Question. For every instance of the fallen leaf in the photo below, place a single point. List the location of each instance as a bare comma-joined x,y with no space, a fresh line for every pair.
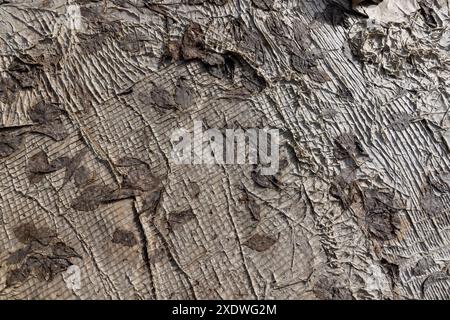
124,237
260,242
61,250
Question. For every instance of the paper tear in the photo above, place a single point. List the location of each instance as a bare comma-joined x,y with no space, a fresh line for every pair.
392,10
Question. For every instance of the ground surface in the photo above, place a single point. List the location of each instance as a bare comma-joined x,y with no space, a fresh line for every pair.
91,91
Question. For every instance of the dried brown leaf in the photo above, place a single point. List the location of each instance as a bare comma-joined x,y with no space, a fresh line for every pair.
124,237
260,242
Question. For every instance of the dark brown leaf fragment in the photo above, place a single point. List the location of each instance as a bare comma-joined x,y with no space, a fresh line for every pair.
401,121
120,194
336,14
423,266
303,63
151,201
161,98
82,176
265,181
124,237
254,208
91,197
27,232
19,255
73,164
216,2
348,146
192,44
8,90
16,276
140,178
342,190
9,143
58,265
47,117
327,288
38,166
156,255
44,113
220,67
23,73
251,80
130,43
432,204
54,130
184,94
129,162
194,189
91,44
173,51
439,182
260,242
358,2
39,266
382,214
263,4
318,75
179,218
61,250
